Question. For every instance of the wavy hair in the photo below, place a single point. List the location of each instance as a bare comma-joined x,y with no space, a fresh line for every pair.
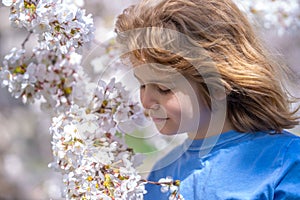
220,50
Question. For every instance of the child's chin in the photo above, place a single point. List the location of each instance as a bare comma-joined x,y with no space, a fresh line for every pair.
168,133
165,131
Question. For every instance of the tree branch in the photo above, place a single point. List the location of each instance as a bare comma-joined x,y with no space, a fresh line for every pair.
26,39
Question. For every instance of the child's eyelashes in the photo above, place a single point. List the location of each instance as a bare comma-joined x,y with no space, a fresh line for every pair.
163,89
160,88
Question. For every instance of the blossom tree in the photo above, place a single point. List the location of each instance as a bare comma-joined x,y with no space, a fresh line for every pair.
88,123
94,161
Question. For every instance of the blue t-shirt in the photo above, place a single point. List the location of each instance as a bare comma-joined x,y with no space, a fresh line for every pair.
233,165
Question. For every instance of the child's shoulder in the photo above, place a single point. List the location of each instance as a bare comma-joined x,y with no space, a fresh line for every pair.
282,146
269,143
288,135
292,145
284,138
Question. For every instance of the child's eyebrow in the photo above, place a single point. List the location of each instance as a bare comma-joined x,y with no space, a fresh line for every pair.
135,76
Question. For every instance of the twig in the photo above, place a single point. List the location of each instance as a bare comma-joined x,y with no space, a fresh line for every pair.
159,183
26,39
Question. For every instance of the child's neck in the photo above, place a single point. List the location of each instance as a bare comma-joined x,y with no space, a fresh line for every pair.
204,133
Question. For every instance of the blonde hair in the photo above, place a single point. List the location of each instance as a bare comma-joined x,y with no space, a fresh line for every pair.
256,99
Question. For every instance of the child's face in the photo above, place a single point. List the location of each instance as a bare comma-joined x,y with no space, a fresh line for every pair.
173,103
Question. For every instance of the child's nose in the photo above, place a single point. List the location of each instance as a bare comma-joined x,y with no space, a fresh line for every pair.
148,98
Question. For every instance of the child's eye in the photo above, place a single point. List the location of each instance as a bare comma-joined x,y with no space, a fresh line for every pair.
160,88
163,89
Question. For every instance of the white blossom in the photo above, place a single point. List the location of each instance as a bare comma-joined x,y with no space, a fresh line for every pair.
7,2
59,25
45,74
85,144
171,186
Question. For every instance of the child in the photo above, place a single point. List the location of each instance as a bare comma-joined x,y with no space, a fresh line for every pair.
203,71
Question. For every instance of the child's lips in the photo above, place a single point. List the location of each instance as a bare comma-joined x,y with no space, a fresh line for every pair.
158,119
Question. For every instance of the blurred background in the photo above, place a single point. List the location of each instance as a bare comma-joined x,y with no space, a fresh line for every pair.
25,148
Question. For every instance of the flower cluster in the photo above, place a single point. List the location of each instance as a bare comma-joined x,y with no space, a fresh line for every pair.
172,186
44,74
282,15
88,144
89,151
59,25
52,70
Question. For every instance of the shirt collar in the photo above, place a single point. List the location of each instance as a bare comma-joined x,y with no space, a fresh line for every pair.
207,144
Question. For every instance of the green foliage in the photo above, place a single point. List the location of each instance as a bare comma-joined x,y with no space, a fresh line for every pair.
138,143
